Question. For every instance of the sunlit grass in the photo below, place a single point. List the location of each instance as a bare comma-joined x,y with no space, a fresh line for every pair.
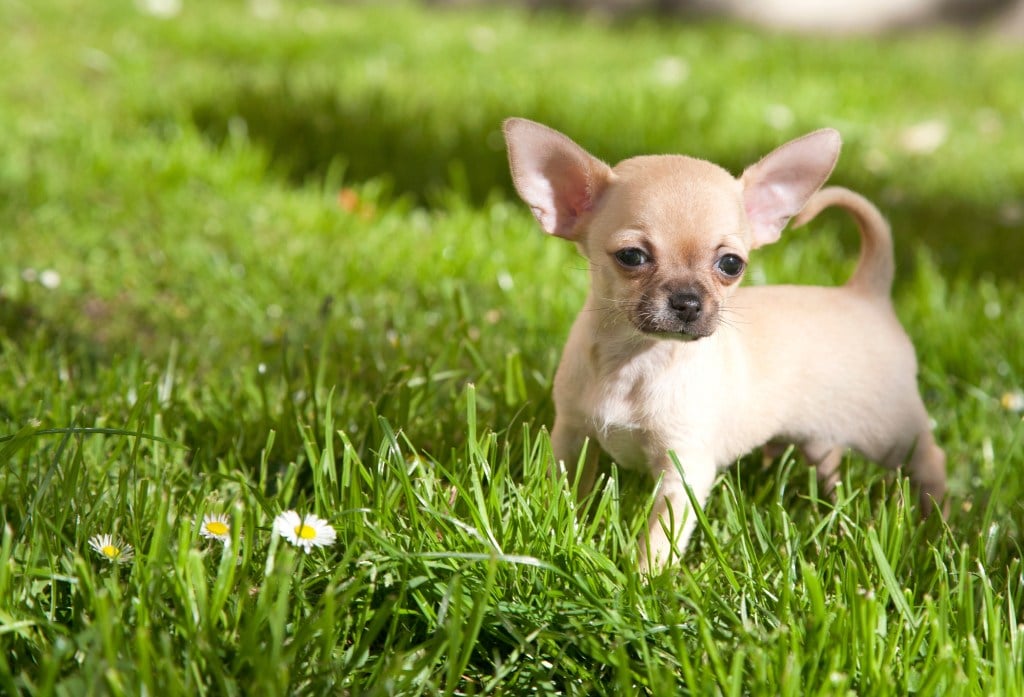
251,265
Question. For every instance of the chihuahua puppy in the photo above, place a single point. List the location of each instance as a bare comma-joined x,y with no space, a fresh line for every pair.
674,369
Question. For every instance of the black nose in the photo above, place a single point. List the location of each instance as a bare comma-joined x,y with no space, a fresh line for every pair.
686,305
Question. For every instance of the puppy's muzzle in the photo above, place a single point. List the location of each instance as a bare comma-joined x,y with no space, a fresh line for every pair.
687,306
677,314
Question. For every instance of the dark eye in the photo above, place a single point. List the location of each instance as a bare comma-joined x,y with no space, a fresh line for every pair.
731,265
632,257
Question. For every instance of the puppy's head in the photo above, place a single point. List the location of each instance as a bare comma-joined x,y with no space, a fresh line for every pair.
667,237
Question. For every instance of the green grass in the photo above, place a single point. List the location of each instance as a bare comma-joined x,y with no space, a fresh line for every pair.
226,336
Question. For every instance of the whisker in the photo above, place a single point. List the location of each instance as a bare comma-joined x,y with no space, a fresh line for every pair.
728,317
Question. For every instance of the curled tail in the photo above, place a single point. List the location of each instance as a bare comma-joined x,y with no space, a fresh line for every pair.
876,268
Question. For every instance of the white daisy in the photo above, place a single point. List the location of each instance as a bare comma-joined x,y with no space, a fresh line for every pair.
306,531
1013,401
112,549
216,526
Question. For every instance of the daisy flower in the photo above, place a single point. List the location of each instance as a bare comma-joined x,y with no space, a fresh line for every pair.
216,526
1012,401
306,531
112,549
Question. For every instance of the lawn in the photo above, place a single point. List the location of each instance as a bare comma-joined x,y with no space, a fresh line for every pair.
258,257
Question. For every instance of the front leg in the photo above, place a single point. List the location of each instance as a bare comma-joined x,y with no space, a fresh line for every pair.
673,519
567,443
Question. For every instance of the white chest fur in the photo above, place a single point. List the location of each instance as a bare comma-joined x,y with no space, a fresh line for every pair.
661,399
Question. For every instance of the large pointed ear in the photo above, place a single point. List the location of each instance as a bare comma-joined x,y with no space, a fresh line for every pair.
777,187
558,179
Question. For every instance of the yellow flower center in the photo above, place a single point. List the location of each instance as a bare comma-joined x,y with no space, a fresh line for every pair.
110,551
305,532
216,527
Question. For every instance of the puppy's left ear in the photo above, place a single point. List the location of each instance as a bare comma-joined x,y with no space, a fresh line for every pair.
777,187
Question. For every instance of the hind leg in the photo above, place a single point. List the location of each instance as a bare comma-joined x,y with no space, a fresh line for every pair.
927,471
772,451
826,460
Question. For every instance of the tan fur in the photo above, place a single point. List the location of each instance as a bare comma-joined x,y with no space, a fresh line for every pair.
671,356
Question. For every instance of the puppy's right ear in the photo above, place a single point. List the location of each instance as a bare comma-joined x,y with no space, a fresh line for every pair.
558,179
777,187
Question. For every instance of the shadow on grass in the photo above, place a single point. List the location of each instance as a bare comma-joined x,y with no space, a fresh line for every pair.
423,153
307,135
